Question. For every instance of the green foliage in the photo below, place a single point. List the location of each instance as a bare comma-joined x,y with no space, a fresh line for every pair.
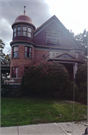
45,77
81,80
81,75
83,98
72,92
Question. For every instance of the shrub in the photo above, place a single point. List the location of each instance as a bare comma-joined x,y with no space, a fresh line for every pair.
72,92
81,75
83,98
46,77
81,80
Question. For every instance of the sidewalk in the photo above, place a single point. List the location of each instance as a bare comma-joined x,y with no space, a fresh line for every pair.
67,128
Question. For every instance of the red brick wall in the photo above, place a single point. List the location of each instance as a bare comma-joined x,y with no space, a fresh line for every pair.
21,61
39,55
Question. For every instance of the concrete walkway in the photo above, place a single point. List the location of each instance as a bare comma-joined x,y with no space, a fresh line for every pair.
67,128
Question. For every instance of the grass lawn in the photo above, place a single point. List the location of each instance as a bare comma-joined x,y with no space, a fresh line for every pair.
25,111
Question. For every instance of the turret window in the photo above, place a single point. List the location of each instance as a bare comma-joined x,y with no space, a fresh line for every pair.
15,52
22,31
14,32
29,32
19,31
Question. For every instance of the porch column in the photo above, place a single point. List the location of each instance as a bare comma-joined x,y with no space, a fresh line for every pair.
51,54
75,68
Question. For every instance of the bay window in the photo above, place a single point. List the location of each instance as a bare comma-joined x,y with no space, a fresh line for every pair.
22,30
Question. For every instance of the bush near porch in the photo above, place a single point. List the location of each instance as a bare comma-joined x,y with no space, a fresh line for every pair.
49,79
81,81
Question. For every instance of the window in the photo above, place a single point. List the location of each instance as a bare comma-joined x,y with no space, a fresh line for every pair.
24,31
29,32
14,71
14,32
19,31
27,52
15,52
48,39
52,39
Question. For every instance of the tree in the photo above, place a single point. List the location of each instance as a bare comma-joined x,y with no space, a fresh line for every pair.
82,39
5,59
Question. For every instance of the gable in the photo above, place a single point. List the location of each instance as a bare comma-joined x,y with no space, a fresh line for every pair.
54,26
65,56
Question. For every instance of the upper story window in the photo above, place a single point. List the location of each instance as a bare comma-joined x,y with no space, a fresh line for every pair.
15,52
29,32
22,30
19,31
14,32
53,39
28,52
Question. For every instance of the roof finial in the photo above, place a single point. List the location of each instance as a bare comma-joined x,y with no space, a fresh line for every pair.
24,9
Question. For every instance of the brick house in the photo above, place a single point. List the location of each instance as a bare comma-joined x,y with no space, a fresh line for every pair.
49,42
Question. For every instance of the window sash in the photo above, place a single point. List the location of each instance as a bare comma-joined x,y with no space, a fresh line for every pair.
18,28
14,34
18,33
14,30
24,28
15,48
53,39
24,33
27,52
29,29
15,52
29,34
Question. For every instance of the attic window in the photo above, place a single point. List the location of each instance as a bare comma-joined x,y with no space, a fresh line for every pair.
53,39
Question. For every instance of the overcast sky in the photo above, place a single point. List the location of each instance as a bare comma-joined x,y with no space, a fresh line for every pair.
72,13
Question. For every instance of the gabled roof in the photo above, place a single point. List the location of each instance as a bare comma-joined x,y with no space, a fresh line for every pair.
65,54
62,27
